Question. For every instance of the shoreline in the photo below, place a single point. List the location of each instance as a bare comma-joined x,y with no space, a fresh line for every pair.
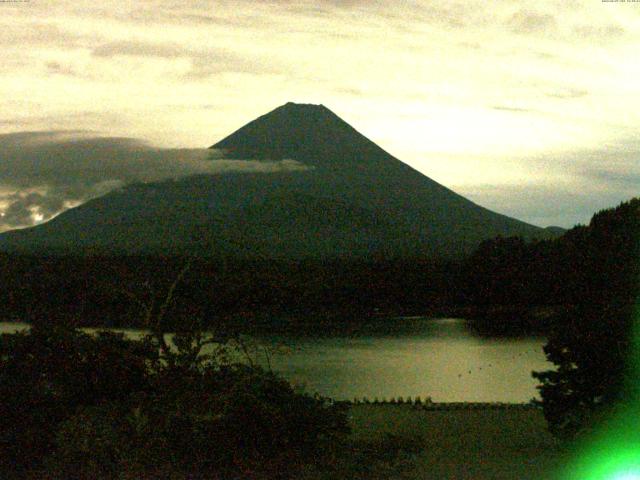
427,404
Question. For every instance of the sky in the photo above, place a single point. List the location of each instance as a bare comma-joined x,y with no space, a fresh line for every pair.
531,109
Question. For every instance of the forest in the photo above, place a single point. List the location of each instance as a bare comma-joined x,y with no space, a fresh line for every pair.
537,286
104,290
507,286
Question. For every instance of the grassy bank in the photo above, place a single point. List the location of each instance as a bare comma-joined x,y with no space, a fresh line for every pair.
451,444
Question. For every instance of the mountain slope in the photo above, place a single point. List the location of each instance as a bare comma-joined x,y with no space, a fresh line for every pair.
352,168
353,201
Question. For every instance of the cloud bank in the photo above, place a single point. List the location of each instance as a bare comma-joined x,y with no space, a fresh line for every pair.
45,173
584,182
437,83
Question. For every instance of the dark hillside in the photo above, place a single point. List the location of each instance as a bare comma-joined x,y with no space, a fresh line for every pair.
589,267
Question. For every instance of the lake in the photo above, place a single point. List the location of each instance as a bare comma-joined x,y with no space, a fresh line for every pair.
423,357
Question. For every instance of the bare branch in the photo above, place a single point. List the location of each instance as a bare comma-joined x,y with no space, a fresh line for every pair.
169,297
157,326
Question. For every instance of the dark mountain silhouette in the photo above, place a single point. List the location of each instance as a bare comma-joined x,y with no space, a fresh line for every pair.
555,231
353,201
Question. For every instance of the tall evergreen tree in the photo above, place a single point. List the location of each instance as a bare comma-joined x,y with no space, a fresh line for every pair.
593,345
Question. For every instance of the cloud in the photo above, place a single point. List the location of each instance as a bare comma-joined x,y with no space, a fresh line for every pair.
204,62
526,21
599,31
620,179
542,204
57,68
511,109
111,66
570,188
142,49
25,207
44,173
450,14
207,64
612,167
568,93
190,14
197,19
39,33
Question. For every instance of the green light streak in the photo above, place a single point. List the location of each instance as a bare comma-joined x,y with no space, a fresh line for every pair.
613,453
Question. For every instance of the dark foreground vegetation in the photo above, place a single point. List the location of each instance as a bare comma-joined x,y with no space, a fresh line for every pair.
76,406
102,407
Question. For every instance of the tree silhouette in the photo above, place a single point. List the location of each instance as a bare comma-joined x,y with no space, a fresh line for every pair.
592,345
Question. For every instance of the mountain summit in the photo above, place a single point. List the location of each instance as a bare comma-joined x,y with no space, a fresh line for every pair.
306,132
348,199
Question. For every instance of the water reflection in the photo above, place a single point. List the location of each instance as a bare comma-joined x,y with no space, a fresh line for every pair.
438,358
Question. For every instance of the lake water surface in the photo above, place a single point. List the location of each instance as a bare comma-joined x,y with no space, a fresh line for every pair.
439,358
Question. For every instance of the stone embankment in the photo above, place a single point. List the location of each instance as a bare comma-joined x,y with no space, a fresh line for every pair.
428,404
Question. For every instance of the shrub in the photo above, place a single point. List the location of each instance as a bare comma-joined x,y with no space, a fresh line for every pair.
46,374
84,407
252,425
